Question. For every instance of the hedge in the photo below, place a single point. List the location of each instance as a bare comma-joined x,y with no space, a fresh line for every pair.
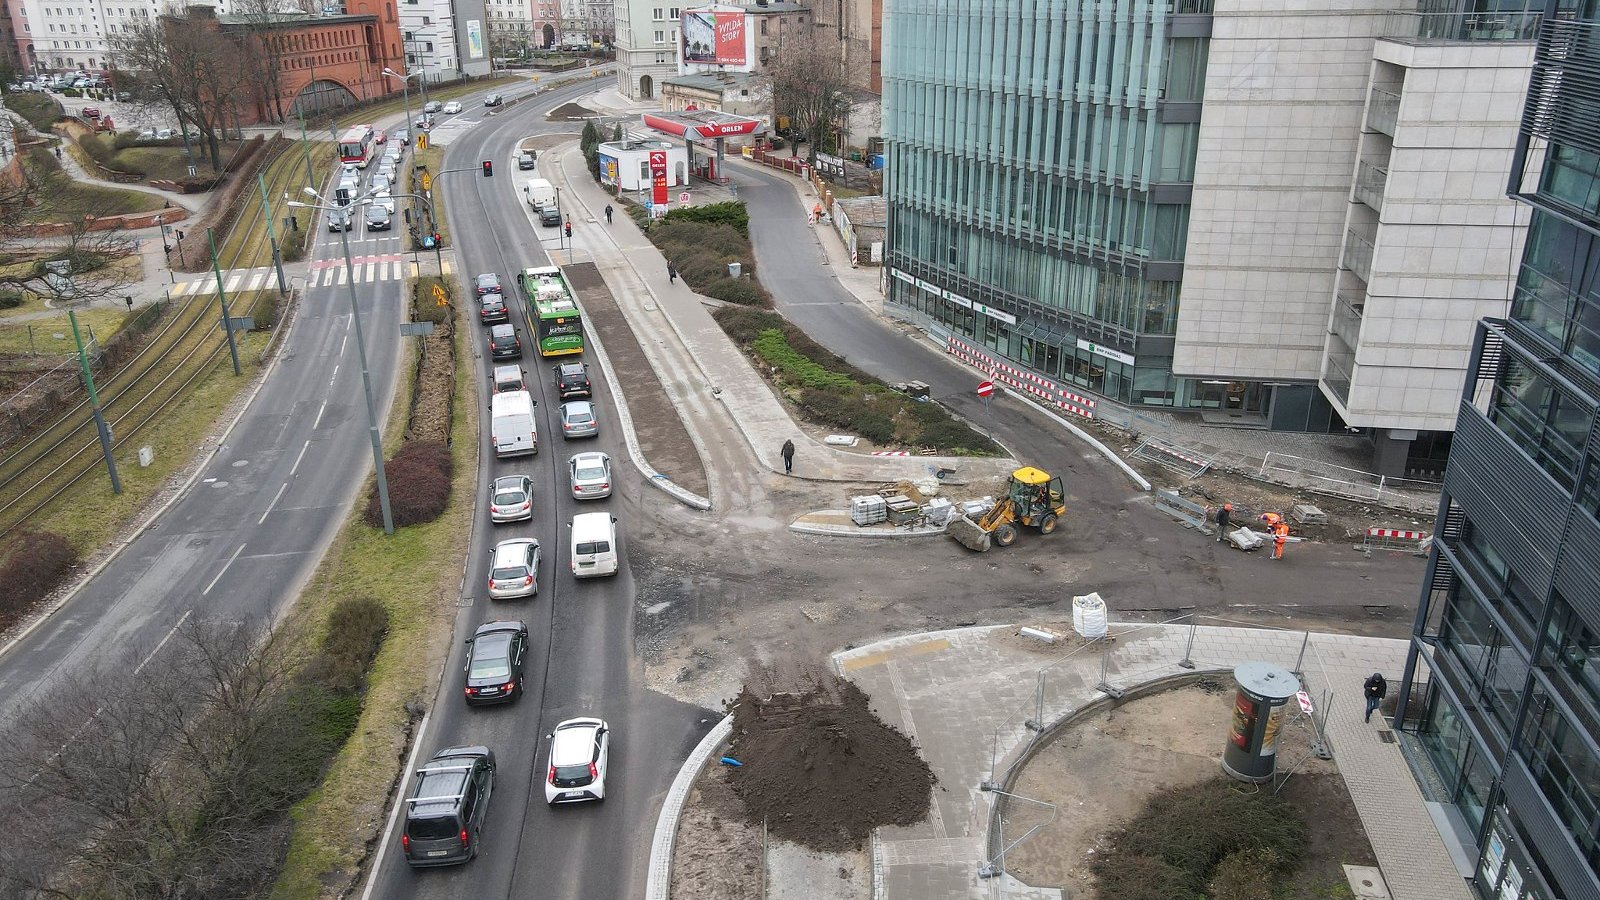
419,485
35,566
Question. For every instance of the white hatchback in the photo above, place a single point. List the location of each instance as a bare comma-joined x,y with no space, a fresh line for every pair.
452,108
579,752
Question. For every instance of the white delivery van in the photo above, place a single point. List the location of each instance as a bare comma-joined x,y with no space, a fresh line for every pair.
511,425
594,545
540,193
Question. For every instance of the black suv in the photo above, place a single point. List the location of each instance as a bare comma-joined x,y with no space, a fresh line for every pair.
504,343
494,662
446,811
488,283
550,215
572,381
492,309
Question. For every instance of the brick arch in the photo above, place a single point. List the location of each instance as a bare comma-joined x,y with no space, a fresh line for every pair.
321,95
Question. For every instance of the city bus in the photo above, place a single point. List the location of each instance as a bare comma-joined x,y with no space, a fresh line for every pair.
553,314
355,146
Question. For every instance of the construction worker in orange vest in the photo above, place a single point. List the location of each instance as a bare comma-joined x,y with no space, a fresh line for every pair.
1280,536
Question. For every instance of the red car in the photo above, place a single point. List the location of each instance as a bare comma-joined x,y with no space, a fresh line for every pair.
90,112
380,137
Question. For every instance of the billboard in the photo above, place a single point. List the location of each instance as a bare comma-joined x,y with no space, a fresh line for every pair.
713,38
474,39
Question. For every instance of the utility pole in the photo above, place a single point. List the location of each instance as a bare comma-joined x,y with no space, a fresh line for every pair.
305,147
272,235
94,404
222,295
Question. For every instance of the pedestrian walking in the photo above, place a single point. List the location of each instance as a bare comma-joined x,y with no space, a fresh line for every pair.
1375,689
788,457
1224,519
672,278
608,214
58,152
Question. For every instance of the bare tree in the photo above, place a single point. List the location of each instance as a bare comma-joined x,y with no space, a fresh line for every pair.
262,52
811,84
192,69
78,265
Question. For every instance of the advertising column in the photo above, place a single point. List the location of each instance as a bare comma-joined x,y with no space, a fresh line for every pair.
1258,711
658,179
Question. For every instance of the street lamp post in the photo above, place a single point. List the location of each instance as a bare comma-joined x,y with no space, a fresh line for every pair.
405,86
361,349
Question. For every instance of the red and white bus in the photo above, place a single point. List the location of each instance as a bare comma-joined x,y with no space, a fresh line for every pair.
355,147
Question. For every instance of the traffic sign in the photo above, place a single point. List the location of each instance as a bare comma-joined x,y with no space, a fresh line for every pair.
422,141
985,389
684,198
439,296
427,182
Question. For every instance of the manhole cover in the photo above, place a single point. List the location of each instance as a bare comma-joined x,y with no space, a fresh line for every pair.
1386,736
464,602
199,542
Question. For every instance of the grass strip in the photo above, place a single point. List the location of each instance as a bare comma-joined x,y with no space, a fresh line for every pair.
51,335
415,573
38,107
67,200
89,514
247,245
432,159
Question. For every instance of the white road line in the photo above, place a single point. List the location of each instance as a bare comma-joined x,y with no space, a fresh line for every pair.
335,375
275,499
344,276
395,270
233,283
342,343
319,415
223,572
303,448
152,654
370,267
257,280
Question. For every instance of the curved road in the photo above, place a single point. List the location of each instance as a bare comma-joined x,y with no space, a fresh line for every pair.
580,659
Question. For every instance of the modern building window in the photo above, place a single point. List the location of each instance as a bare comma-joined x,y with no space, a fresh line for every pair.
1572,178
1492,664
1574,649
1546,423
1567,772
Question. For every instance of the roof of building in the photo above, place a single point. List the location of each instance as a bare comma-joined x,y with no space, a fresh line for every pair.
286,20
780,6
866,212
704,123
710,82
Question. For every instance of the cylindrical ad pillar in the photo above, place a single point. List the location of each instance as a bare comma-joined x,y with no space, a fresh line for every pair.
1258,713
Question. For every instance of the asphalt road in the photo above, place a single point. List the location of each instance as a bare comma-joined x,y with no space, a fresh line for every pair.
581,658
241,542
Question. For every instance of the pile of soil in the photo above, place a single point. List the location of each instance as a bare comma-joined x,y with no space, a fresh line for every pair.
821,769
571,111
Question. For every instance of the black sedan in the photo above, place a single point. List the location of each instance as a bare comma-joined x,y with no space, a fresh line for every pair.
494,662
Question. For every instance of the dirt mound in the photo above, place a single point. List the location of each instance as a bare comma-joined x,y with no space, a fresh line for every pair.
571,111
821,769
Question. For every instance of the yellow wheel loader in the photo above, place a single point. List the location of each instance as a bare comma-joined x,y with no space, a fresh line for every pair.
1032,498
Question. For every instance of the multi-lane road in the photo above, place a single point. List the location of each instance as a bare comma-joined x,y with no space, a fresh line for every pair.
581,647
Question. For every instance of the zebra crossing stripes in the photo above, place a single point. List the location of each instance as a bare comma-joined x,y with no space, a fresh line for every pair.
265,278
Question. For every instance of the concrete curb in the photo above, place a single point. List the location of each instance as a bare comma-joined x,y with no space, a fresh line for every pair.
156,514
849,531
625,418
658,879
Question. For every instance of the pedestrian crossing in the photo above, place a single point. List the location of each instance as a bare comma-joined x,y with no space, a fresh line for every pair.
326,273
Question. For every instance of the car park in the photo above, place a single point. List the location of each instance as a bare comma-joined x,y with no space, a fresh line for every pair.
572,381
578,419
493,100
550,215
447,808
590,476
526,160
147,134
377,218
580,752
166,134
504,343
511,499
508,378
494,662
451,108
514,569
488,283
432,106
492,309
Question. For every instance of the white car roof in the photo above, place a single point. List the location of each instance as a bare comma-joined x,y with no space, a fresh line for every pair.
574,742
508,553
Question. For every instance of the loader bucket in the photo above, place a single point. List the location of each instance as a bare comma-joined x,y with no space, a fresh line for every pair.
967,532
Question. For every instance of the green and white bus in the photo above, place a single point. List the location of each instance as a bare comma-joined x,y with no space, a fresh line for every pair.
553,314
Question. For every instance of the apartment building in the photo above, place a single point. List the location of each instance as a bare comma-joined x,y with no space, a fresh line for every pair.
646,45
428,30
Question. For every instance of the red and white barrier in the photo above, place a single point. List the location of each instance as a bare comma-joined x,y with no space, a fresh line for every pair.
891,453
1030,383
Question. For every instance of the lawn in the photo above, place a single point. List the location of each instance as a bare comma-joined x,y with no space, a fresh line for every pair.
40,109
442,94
65,200
433,158
153,162
415,573
53,334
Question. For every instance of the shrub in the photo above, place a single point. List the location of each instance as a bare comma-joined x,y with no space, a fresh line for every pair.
743,325
1246,875
949,433
419,485
35,566
1145,878
10,299
72,92
740,291
772,347
847,412
730,213
355,632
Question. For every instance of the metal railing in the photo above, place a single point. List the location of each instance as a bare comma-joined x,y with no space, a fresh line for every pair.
1358,253
1460,27
1351,484
1383,110
1371,179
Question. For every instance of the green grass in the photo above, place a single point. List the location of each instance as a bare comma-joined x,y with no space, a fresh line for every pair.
104,321
40,109
154,162
66,200
433,159
90,515
247,245
415,573
441,94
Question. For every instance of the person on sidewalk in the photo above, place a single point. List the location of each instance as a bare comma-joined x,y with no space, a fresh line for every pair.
672,274
788,457
1375,689
58,151
608,214
1224,519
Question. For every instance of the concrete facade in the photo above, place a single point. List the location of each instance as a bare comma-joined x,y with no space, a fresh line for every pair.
428,31
737,93
511,30
647,47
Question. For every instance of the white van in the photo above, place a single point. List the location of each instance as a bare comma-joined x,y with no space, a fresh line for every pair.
511,425
594,545
348,188
540,193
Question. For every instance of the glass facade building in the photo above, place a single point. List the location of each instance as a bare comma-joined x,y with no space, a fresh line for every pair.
1501,688
1040,160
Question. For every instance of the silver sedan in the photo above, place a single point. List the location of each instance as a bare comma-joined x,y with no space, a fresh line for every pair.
591,476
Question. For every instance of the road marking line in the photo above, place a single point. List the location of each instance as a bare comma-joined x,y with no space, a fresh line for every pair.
344,276
233,283
303,448
370,267
335,375
223,572
320,411
342,343
275,499
152,654
394,271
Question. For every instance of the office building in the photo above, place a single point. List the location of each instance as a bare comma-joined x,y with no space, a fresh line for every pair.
511,28
1502,686
428,29
1145,205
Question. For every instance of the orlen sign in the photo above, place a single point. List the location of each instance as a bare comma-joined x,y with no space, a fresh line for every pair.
713,38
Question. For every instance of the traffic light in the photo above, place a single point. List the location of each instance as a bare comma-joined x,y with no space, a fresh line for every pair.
488,168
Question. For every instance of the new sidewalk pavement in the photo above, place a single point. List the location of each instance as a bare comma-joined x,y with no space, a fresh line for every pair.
705,353
962,695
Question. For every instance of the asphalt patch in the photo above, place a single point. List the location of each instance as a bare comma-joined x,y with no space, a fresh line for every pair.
822,770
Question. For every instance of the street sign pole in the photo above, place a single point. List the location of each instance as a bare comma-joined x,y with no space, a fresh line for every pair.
222,295
94,405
